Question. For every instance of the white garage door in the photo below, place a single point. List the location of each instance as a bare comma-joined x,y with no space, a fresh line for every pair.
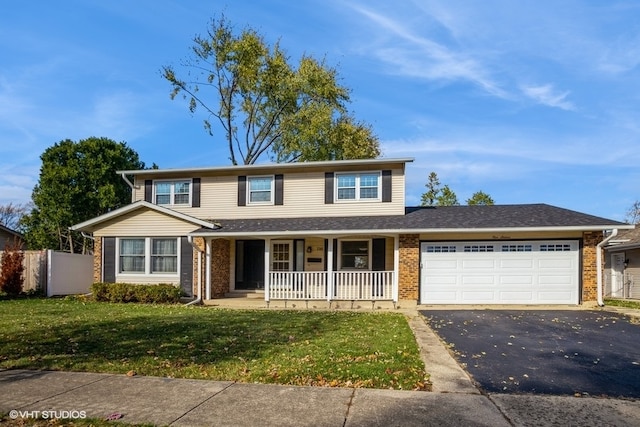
505,272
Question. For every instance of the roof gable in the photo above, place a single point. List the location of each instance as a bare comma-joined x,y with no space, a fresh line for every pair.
90,225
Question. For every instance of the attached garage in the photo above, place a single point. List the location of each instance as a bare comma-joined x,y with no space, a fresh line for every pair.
500,272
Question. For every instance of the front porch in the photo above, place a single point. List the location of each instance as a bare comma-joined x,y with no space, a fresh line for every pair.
344,270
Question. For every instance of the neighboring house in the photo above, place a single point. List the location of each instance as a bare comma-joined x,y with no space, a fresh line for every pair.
622,265
8,235
340,230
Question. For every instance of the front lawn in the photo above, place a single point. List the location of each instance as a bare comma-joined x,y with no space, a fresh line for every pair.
323,348
622,303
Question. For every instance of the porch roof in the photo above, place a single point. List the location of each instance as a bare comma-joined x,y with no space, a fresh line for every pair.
530,217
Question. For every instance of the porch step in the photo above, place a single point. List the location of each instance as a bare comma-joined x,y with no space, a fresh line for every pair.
245,294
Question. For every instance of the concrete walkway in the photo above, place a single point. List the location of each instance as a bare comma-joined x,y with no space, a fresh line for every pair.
454,400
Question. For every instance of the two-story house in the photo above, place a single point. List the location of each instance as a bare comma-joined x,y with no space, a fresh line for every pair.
340,230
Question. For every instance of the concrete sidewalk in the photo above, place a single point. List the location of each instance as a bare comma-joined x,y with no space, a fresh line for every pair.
454,400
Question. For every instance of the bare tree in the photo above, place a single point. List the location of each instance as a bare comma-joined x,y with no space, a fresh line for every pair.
11,214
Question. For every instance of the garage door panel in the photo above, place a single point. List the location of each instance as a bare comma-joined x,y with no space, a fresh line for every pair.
516,280
528,272
478,280
516,263
516,297
478,263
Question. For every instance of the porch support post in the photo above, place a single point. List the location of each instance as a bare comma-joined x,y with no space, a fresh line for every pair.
207,254
396,267
267,259
330,283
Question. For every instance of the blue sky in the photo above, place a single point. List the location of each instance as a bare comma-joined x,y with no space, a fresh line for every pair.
528,101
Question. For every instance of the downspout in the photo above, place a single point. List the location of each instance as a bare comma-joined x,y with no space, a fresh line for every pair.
198,299
130,184
599,266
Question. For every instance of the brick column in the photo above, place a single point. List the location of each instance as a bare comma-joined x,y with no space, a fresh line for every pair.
199,275
409,267
220,265
589,265
97,259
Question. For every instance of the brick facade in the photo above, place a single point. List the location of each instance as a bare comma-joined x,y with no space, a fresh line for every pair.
220,267
589,265
409,267
97,260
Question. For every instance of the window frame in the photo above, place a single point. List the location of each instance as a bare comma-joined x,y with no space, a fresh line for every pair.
358,187
148,257
341,266
172,191
271,190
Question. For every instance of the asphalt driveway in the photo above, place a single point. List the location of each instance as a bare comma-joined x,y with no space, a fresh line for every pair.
559,352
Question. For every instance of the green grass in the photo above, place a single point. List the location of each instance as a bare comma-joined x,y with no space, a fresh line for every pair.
622,303
324,348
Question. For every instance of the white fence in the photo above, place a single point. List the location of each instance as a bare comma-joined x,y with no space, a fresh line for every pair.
622,285
346,285
57,273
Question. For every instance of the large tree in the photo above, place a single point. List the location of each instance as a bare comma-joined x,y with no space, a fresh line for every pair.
77,182
264,105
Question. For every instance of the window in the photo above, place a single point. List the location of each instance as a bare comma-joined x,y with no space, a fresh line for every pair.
260,189
148,255
281,256
516,248
440,248
560,247
172,192
358,186
354,254
478,248
164,256
132,255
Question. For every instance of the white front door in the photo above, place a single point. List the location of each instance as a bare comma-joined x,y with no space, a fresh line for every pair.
617,274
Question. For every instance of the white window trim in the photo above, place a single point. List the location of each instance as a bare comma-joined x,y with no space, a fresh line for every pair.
172,194
292,254
369,254
357,198
272,189
147,258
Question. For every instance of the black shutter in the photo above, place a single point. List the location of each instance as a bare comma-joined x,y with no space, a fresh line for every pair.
148,191
279,188
377,254
386,185
242,191
186,267
195,193
109,259
328,188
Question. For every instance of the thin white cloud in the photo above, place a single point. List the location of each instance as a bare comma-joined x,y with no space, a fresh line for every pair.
421,57
547,95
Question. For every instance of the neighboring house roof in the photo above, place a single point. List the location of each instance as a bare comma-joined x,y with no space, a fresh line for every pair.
534,217
10,231
90,224
273,166
626,239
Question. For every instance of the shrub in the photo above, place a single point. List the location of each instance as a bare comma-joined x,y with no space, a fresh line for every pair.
128,292
11,278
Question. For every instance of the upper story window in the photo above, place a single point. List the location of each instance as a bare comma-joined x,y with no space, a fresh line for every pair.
358,186
173,192
260,189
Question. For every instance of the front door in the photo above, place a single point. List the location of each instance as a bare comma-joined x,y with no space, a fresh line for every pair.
617,275
249,264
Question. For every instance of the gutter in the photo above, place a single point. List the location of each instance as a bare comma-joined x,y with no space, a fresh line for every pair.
198,299
599,246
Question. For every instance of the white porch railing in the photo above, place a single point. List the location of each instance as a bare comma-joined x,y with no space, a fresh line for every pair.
346,285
